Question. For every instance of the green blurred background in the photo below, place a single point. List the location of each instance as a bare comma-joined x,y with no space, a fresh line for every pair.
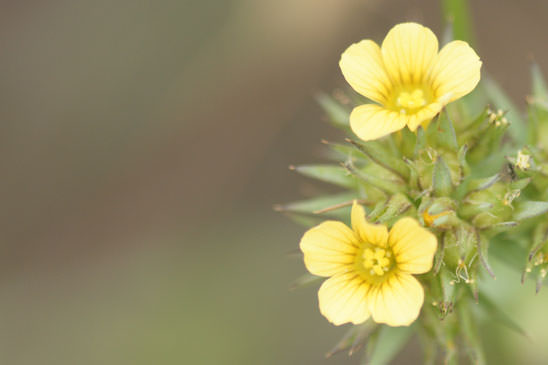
142,146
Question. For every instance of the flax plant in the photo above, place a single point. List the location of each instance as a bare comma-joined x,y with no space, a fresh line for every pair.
439,171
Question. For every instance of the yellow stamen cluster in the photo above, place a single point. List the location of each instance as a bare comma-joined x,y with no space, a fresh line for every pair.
377,261
497,118
407,102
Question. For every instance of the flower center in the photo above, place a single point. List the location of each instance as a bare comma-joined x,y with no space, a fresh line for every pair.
378,261
408,101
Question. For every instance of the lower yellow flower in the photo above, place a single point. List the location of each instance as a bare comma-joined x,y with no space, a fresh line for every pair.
369,269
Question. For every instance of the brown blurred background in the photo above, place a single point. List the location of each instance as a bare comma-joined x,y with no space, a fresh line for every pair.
142,145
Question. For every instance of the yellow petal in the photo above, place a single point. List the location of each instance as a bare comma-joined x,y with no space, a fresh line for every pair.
376,234
372,121
408,51
343,299
455,73
413,246
397,301
329,248
423,116
362,67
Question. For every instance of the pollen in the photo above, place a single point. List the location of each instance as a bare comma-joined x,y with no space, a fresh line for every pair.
409,101
377,261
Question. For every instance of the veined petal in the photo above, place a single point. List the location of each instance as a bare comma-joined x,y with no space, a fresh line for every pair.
329,248
455,73
423,116
343,299
376,234
408,51
397,301
371,121
413,246
362,67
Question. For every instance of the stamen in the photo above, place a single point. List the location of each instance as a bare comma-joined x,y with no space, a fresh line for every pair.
411,100
377,261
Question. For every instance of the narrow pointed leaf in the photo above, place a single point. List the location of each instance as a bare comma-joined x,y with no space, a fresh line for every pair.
520,184
389,343
530,209
457,13
471,334
332,174
304,280
377,153
421,141
540,90
498,315
446,136
338,152
337,113
305,220
484,183
442,178
387,185
318,204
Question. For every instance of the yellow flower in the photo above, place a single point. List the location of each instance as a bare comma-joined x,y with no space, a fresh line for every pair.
407,76
370,270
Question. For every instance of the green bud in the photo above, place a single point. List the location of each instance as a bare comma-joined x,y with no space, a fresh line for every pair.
441,182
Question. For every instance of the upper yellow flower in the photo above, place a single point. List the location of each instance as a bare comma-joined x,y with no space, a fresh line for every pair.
407,76
370,269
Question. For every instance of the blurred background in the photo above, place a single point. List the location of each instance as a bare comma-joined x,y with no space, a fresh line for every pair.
142,146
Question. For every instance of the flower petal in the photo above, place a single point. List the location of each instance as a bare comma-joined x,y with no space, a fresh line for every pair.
397,301
413,246
343,299
362,67
423,116
455,73
376,234
408,51
372,121
329,248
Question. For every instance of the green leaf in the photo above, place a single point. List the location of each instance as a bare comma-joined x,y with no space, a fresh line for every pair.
457,13
498,316
538,107
336,175
521,183
354,339
406,140
421,141
317,204
338,114
377,153
483,183
394,208
304,280
372,177
499,98
446,136
471,333
530,209
540,90
389,342
483,246
338,152
305,221
441,179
